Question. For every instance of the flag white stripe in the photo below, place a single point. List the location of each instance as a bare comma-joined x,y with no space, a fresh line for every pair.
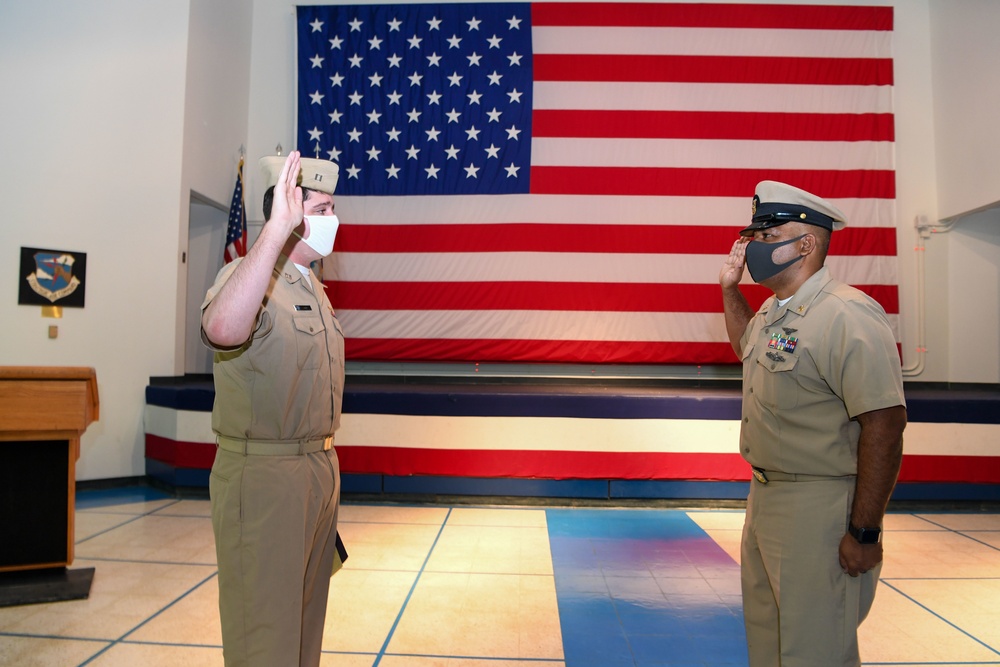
567,267
754,42
717,154
537,325
735,97
583,210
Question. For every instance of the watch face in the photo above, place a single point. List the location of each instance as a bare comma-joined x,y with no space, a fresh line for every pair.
866,535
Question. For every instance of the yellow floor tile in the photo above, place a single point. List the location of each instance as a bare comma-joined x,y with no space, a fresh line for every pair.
898,630
387,546
392,514
158,655
363,606
482,615
492,549
156,538
193,619
46,652
122,596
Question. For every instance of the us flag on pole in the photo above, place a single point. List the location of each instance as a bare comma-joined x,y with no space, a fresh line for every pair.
236,232
560,182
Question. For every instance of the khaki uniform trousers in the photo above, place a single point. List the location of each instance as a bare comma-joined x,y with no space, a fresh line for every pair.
799,607
275,523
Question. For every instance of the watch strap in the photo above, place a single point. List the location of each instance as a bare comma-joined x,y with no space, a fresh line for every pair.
864,535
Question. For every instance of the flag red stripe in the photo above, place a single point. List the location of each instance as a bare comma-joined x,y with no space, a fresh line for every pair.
388,460
674,181
713,69
541,464
543,237
552,351
597,297
796,17
713,125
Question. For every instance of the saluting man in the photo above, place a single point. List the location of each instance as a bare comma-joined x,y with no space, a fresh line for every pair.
822,426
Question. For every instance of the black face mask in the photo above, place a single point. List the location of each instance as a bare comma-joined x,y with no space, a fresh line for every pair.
759,261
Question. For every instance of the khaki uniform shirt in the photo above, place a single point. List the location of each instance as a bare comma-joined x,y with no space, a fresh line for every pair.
287,381
809,368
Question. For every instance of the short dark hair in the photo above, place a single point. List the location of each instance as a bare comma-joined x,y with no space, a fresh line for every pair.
269,200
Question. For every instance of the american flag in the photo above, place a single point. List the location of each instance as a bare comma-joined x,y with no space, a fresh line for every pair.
560,182
236,233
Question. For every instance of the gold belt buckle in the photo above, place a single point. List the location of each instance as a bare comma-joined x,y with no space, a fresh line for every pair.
759,475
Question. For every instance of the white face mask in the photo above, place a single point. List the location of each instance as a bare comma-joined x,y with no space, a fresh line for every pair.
322,232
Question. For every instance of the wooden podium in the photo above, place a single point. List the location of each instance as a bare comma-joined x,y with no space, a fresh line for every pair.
43,412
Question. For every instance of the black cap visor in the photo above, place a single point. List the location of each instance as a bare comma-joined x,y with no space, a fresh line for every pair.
773,215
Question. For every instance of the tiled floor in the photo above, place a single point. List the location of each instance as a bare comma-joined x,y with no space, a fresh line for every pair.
433,586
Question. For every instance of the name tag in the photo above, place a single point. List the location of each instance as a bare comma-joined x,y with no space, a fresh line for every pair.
306,307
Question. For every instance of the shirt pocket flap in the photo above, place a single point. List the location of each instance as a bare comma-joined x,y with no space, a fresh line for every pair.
777,362
308,324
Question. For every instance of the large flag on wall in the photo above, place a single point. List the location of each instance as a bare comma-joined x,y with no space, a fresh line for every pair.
560,182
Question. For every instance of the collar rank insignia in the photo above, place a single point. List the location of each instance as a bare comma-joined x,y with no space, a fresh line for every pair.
783,343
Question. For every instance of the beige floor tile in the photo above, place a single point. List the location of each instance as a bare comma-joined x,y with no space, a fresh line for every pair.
89,524
387,546
171,539
363,606
990,537
194,619
139,508
46,652
411,661
342,660
918,554
158,655
718,519
492,549
122,596
482,615
971,604
189,507
897,521
964,521
392,514
898,630
489,516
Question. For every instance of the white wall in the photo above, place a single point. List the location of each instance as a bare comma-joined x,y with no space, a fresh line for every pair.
92,114
106,128
215,129
966,103
964,264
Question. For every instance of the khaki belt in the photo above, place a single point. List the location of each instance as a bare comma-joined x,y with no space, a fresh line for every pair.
765,476
274,447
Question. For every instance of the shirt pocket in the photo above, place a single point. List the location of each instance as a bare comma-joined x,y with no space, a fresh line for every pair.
775,383
308,347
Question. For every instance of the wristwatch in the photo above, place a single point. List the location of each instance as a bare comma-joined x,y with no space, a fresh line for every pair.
864,535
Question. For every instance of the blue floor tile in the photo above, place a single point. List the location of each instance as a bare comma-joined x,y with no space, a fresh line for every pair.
653,602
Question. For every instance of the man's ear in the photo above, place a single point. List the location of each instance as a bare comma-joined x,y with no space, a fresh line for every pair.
809,244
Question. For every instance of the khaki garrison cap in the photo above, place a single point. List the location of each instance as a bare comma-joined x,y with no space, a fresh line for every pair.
319,175
777,203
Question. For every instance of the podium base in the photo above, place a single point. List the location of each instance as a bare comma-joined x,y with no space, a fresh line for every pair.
50,585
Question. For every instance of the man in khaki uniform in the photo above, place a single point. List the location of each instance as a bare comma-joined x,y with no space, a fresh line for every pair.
279,379
823,419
